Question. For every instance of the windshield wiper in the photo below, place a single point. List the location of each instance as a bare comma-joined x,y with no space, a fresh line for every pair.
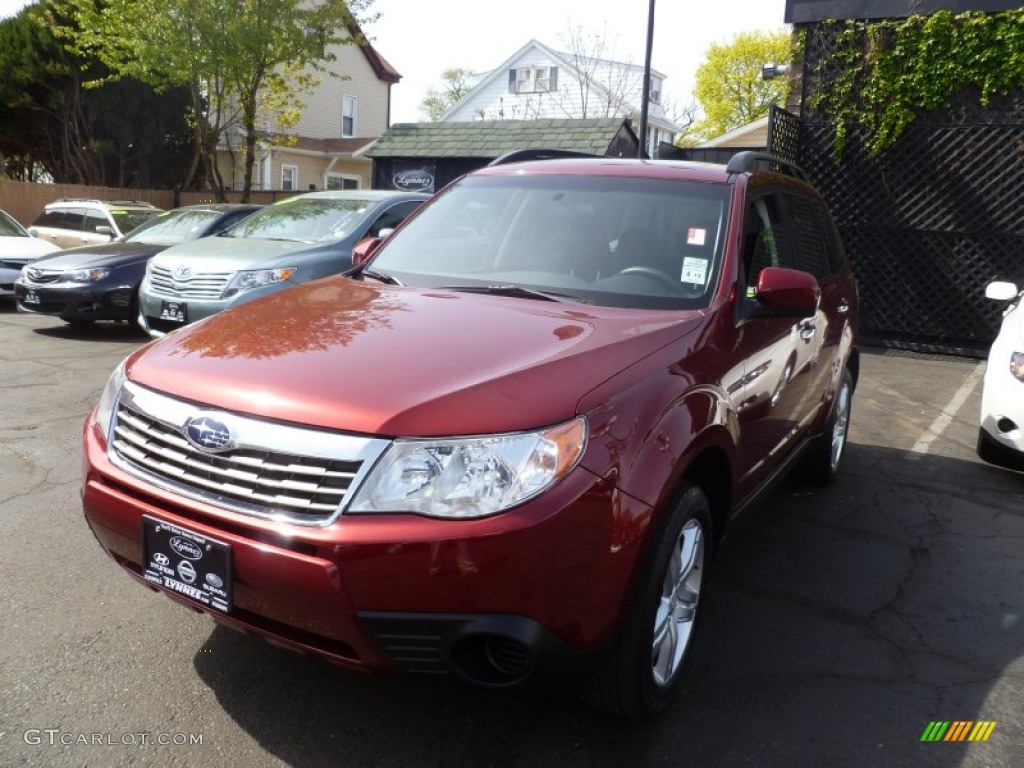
381,277
515,291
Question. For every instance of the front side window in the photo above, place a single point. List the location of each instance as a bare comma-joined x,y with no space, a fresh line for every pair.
610,241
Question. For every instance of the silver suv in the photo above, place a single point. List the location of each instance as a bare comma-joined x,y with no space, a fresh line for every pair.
71,222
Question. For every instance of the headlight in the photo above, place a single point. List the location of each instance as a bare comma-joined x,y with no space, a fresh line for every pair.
105,408
1017,365
85,275
246,281
472,476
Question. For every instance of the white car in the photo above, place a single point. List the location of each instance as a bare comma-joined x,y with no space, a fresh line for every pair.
1001,437
17,248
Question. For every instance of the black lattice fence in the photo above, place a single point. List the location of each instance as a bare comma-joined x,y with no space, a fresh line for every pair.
930,221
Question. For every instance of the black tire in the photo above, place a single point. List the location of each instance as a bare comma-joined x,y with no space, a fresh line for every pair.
822,463
640,679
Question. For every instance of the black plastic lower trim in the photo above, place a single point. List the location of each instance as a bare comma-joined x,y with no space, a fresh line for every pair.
492,650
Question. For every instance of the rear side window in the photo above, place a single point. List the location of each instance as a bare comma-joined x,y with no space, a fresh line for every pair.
810,255
830,234
61,218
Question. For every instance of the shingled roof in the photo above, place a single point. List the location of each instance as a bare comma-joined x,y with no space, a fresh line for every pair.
492,139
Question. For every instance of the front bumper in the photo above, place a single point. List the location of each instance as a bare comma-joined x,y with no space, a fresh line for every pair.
502,601
1001,433
151,307
77,301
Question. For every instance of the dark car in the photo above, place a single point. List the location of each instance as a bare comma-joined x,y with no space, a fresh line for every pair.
295,240
505,447
101,282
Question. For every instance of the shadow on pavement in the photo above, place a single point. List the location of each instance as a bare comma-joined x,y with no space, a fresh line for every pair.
840,622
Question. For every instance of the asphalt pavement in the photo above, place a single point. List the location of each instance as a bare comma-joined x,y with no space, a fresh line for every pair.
841,621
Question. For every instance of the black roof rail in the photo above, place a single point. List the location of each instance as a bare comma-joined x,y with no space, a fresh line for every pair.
748,162
537,153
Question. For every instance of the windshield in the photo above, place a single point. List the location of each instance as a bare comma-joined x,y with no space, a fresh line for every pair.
306,219
606,240
173,227
10,228
129,220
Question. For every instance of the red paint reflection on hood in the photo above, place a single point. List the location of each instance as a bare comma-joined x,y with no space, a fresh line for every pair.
403,361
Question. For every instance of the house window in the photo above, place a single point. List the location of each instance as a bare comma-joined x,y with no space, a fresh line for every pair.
348,116
289,177
533,80
340,181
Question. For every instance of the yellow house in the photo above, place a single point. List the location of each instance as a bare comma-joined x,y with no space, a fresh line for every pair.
343,116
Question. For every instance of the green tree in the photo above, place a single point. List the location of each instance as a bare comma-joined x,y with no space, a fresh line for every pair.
455,83
245,62
54,128
729,86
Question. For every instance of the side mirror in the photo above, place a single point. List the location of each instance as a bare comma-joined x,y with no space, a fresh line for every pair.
786,293
103,229
1000,291
33,231
364,250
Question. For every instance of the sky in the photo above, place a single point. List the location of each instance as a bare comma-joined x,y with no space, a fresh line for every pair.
422,38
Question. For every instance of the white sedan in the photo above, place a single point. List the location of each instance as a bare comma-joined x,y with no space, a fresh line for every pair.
1001,437
17,248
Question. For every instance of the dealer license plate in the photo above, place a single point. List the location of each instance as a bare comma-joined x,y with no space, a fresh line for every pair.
174,311
31,297
188,563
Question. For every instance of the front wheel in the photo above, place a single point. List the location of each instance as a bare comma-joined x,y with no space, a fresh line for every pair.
641,677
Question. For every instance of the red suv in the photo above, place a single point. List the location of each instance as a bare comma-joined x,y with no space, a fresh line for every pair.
507,444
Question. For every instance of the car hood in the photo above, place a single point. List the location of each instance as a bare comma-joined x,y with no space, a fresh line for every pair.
21,248
230,254
394,361
92,256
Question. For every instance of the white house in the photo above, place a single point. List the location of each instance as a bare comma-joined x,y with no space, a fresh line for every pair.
343,116
537,82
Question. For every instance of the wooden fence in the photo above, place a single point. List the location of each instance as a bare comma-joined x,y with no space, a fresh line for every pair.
24,200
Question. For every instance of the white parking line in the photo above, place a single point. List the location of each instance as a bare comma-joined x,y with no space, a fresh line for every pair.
949,412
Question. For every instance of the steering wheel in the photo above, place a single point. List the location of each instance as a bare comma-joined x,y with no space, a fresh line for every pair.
654,274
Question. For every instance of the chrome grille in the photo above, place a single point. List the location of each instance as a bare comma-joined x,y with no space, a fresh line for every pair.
268,473
199,285
43,276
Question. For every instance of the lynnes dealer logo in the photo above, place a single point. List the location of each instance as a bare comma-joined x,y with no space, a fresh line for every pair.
208,434
186,548
958,730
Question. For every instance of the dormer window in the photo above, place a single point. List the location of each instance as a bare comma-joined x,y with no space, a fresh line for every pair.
533,79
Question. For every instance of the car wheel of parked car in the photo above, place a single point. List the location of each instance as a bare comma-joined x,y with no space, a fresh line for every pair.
643,673
821,464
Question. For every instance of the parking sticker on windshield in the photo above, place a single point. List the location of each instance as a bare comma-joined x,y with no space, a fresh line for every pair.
694,271
696,236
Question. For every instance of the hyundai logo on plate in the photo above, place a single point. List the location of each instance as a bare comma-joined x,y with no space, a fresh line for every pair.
208,434
182,272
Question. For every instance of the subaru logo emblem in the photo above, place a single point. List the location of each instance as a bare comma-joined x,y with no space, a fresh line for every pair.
208,434
182,272
35,274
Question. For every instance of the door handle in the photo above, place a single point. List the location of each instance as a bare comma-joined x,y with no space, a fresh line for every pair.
844,307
